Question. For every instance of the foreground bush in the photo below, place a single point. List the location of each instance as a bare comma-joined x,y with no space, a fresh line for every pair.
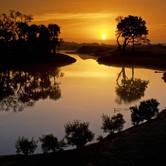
146,110
112,124
51,143
25,146
78,133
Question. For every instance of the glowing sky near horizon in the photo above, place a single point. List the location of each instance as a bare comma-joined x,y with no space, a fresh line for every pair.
90,20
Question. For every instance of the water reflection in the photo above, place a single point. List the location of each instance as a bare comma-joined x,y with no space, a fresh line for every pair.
129,89
21,87
88,92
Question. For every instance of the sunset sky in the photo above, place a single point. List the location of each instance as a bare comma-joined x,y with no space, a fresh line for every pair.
92,20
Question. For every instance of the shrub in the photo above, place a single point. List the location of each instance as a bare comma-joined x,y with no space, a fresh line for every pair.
149,108
146,110
78,133
49,143
25,146
135,115
113,124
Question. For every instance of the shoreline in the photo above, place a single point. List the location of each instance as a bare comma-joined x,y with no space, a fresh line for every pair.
135,142
138,59
57,60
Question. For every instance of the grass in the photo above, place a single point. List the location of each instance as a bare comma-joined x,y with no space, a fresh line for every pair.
139,145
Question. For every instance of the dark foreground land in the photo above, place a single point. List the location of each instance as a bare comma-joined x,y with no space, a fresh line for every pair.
141,145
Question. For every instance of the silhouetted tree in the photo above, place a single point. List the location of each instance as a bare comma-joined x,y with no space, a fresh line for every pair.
78,133
112,124
33,32
146,110
25,146
54,31
13,24
43,40
17,37
49,143
164,77
149,108
136,117
22,30
131,29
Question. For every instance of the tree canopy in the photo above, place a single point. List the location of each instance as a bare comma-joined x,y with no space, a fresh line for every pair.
18,36
146,110
25,146
49,143
131,30
112,124
78,133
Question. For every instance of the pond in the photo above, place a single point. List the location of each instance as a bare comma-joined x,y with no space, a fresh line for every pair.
41,100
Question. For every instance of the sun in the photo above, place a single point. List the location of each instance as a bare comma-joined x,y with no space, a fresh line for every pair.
104,37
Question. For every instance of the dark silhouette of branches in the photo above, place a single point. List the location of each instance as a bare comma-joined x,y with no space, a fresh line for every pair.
18,38
131,30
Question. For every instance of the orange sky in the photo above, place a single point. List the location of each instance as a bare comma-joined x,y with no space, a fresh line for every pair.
90,20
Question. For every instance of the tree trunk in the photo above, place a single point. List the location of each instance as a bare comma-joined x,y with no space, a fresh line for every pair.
54,47
117,40
133,43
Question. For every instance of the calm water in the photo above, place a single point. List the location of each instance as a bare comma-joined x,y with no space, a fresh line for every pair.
41,101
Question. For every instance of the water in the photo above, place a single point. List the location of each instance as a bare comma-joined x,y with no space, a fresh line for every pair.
81,91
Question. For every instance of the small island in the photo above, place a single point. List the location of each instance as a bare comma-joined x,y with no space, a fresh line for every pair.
22,42
140,57
133,46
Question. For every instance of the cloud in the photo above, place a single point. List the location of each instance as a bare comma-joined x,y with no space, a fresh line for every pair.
158,26
72,16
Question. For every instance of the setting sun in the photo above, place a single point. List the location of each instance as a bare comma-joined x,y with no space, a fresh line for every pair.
104,37
82,21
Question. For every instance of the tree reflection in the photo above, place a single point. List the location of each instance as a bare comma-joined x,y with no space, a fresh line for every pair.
20,88
129,90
